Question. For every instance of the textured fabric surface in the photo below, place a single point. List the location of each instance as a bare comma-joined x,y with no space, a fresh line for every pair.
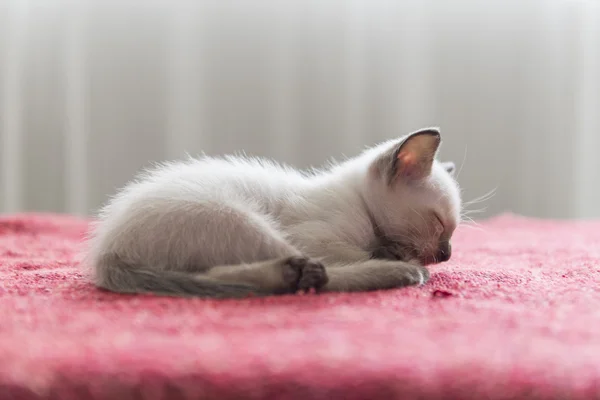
515,314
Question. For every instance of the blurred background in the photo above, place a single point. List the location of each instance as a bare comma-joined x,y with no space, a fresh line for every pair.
93,90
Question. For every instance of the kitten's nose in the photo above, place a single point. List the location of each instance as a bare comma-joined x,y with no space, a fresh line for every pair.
445,251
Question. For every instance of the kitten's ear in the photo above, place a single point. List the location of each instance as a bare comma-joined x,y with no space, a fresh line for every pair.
412,158
449,167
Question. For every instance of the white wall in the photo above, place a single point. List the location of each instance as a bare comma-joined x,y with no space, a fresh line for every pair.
92,90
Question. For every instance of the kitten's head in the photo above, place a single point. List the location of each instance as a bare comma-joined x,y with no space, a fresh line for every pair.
414,199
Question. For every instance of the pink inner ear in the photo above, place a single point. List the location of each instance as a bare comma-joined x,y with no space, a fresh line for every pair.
407,160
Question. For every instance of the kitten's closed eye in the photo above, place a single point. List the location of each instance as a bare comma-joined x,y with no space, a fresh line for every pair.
439,224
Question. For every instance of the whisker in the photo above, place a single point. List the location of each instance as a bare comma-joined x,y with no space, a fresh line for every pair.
462,164
468,219
482,198
477,227
465,218
468,222
477,211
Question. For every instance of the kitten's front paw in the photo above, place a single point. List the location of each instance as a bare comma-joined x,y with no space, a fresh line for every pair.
414,274
305,273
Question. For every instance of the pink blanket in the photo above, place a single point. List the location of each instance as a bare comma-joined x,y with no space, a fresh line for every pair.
514,314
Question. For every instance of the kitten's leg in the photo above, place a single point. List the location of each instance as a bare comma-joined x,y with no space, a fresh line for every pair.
260,278
247,248
374,275
283,275
289,274
353,269
203,249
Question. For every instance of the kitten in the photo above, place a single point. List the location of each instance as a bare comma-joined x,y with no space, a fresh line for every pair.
232,227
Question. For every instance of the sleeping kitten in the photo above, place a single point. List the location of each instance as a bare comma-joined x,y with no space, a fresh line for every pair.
232,227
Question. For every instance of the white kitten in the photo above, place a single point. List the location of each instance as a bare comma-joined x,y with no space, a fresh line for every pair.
232,227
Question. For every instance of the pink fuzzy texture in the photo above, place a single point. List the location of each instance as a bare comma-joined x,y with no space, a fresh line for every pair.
514,314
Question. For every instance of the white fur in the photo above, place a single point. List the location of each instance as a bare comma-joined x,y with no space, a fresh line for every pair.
164,217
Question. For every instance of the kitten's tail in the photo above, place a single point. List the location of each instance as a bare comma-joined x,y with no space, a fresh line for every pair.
117,276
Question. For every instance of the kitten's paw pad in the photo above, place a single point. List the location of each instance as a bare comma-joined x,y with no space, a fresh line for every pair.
309,273
314,276
292,270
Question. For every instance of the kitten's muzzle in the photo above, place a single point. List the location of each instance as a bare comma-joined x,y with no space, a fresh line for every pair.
444,251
